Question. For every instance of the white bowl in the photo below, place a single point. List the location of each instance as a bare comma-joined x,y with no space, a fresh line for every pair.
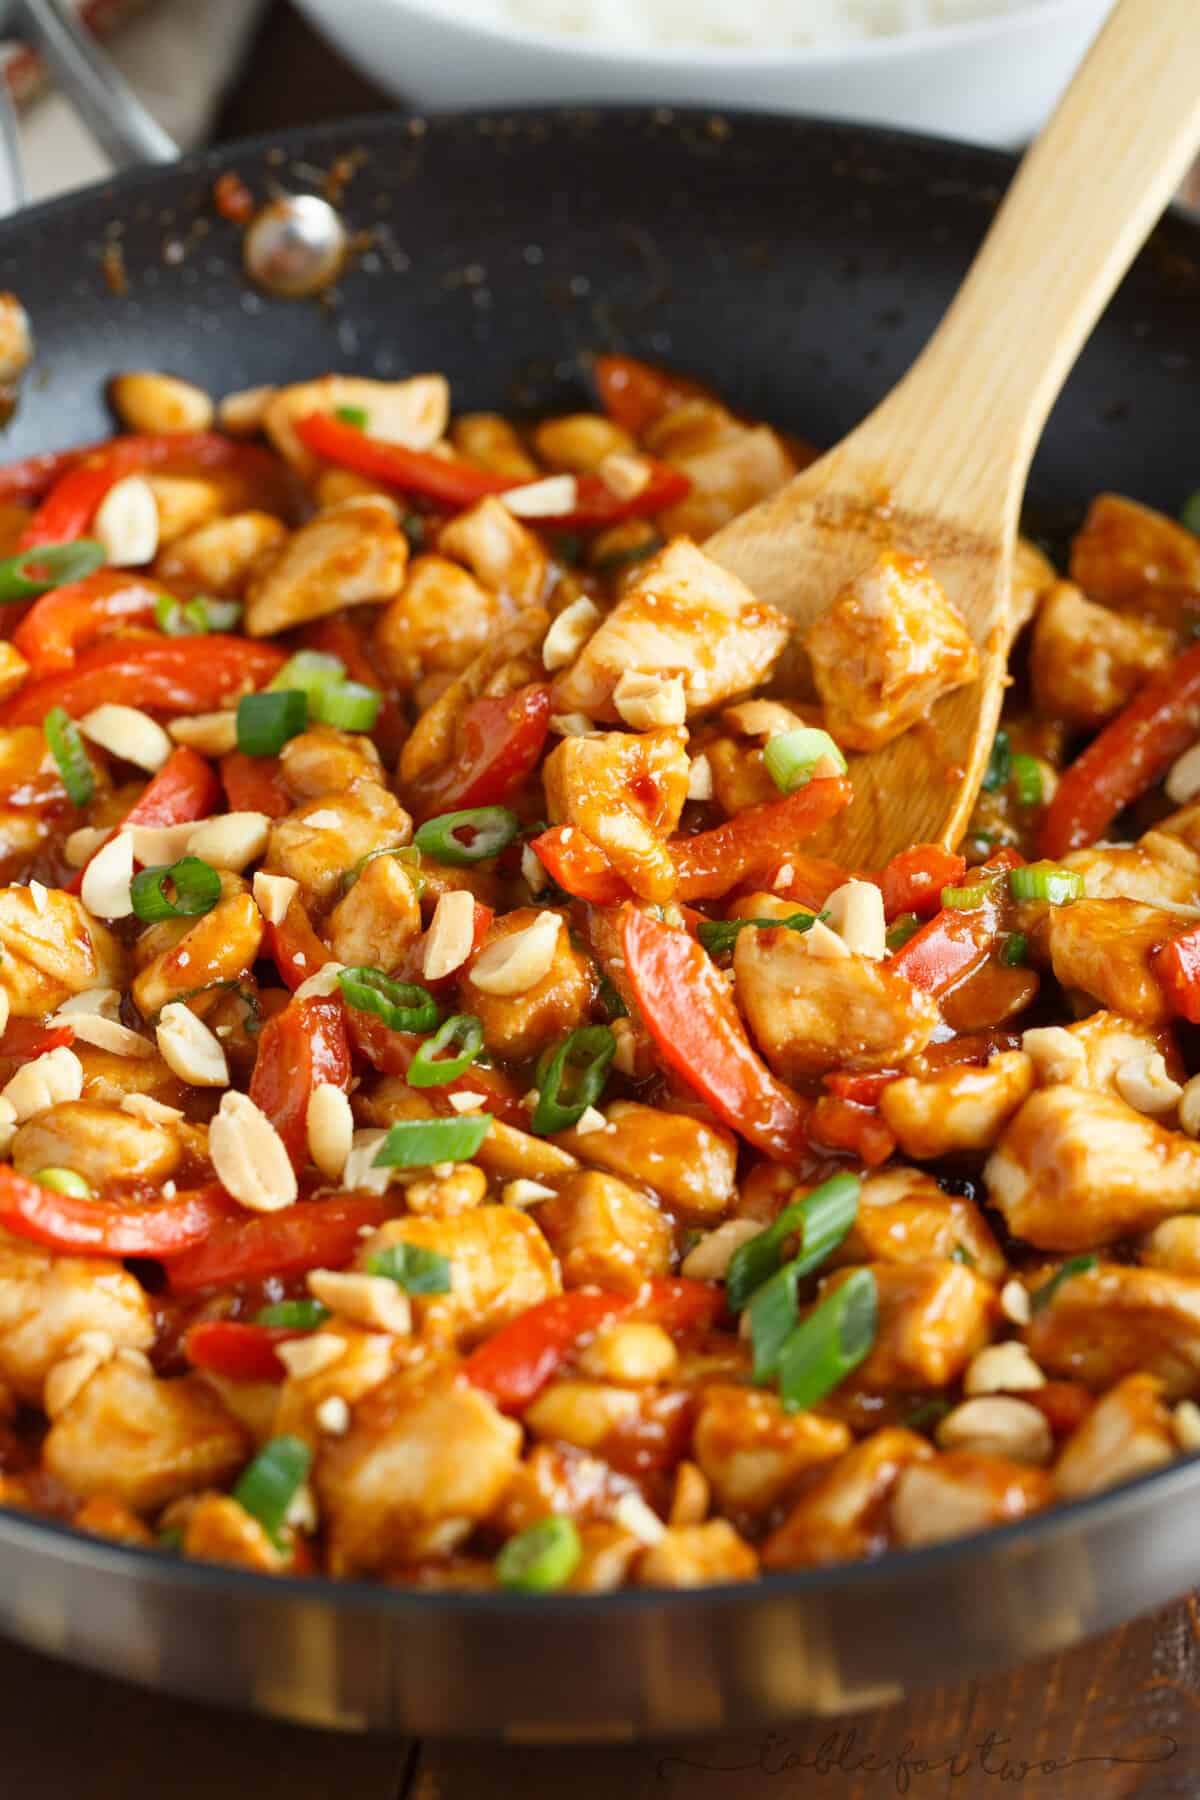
992,81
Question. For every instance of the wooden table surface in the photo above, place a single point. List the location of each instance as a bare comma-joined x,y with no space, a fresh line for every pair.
1113,1720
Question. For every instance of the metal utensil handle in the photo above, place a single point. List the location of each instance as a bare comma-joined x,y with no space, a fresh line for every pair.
107,105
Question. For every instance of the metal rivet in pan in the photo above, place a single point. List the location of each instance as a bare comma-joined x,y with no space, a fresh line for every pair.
295,246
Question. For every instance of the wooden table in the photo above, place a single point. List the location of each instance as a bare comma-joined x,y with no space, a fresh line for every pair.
1110,1721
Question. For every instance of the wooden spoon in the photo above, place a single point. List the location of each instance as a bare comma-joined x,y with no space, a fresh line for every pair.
939,468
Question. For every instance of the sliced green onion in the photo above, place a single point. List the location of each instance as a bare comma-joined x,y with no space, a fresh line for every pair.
960,1254
45,566
821,1219
587,1054
830,1344
402,1005
267,1487
1189,512
618,559
308,671
64,1181
721,934
171,1540
999,767
540,1558
350,706
66,747
1016,945
429,1068
1028,779
412,1267
968,899
419,1143
1046,881
792,756
192,618
413,527
930,1412
492,829
773,1314
901,929
293,1315
352,415
1074,1265
610,1000
266,721
197,888
407,854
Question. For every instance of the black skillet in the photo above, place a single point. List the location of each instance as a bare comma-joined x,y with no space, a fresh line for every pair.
799,266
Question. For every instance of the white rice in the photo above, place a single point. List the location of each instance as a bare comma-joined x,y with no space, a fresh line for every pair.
735,24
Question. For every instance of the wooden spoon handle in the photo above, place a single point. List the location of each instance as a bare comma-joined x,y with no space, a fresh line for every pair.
1083,201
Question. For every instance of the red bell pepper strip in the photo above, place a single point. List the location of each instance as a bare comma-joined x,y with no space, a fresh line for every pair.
313,1234
91,1227
255,784
957,939
637,394
596,506
1177,968
185,788
502,738
862,1089
811,881
299,1050
25,1039
679,1304
514,1365
686,1007
33,475
58,625
1128,756
238,1350
913,880
579,866
839,1124
295,948
170,675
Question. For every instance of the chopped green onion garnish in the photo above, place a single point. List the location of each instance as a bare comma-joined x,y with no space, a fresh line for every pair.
171,1540
66,747
352,415
999,767
412,1267
1015,947
271,1482
419,1143
930,1412
1028,779
266,721
293,1315
901,929
541,1557
1046,881
64,1181
721,934
308,670
192,618
489,829
618,559
45,566
350,706
610,1000
197,888
413,527
968,899
830,1344
585,1057
960,1254
408,854
791,757
1189,512
821,1220
1074,1265
773,1313
402,1005
429,1068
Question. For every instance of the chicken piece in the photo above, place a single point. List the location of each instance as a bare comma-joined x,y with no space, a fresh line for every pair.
323,760
933,1317
683,615
962,1491
221,557
490,440
688,1556
499,551
106,1517
219,947
1126,1434
1090,1052
321,840
1174,1245
587,1414
1032,578
1086,661
500,1266
1131,556
1159,870
379,917
841,1515
1106,948
367,1359
558,1478
811,1013
626,793
690,1164
414,413
956,1108
1078,1168
753,1452
605,1233
348,556
108,1078
51,948
48,1301
889,646
147,1441
519,1025
905,1217
425,1459
730,465
220,1530
440,620
1114,1320
508,1154
507,663
100,1143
